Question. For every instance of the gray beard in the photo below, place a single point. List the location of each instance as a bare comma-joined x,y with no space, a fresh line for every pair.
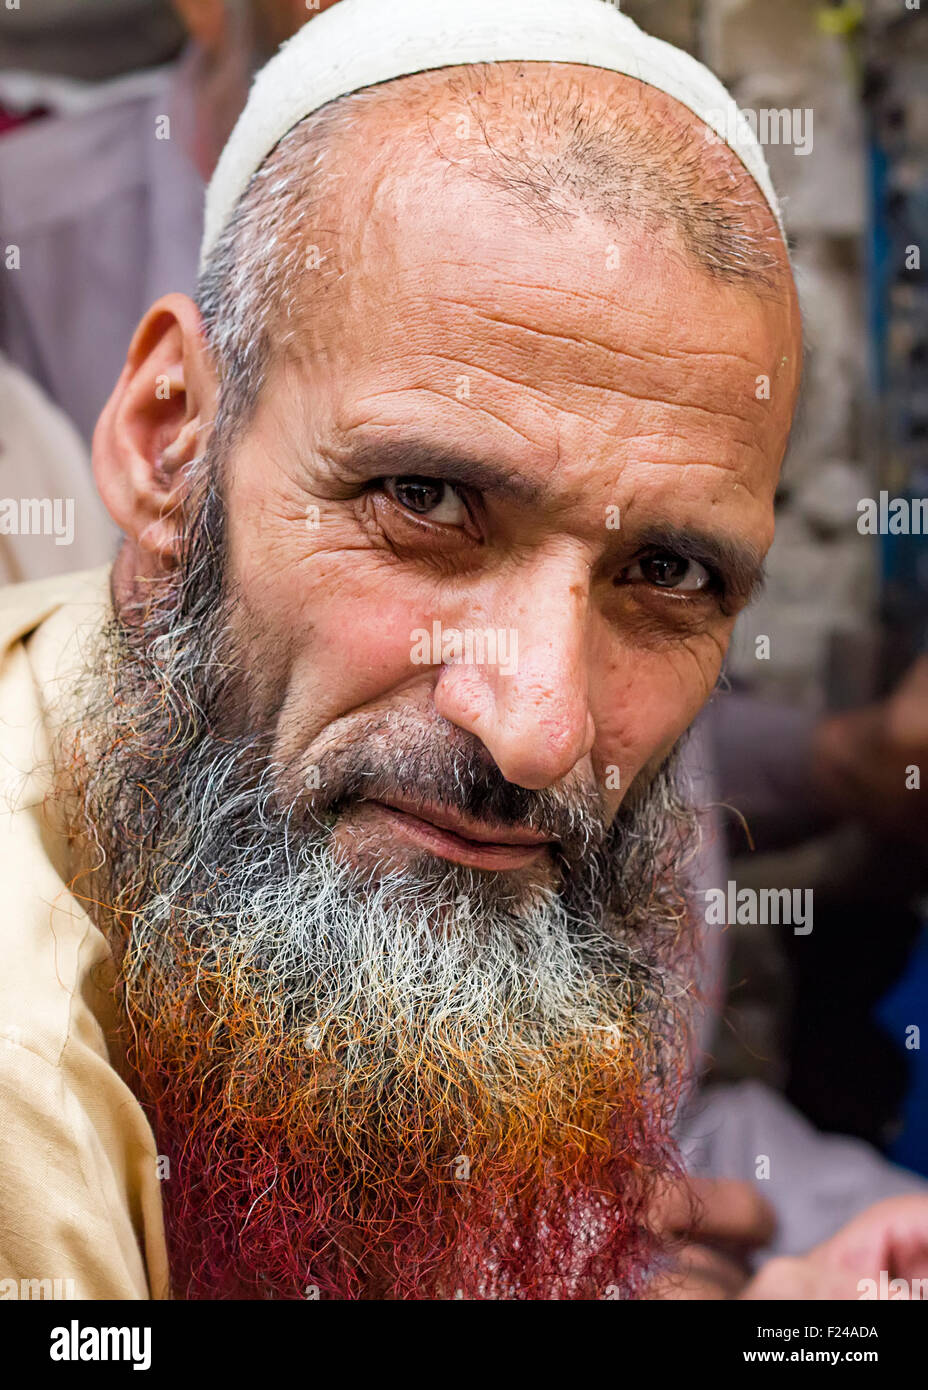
195,842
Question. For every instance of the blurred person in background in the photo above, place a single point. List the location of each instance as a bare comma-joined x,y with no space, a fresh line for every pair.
105,199
78,44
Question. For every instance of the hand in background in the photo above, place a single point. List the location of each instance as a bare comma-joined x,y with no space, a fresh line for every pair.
860,759
710,1225
888,1240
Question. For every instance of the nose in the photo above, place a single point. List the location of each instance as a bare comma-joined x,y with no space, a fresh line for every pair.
530,710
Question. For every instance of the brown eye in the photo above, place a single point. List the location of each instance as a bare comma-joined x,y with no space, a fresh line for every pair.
666,570
428,497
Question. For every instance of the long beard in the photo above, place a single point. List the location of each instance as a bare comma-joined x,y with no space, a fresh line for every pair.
417,1084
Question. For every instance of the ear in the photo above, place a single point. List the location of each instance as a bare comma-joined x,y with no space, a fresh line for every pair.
156,422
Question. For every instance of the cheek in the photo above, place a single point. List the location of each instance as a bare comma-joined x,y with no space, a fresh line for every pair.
353,649
328,629
643,702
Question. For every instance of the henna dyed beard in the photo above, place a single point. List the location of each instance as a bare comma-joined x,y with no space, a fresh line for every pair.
431,1083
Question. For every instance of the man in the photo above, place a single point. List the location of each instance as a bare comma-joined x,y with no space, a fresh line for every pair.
359,766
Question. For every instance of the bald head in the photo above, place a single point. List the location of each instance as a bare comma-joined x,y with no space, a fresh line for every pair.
555,138
551,141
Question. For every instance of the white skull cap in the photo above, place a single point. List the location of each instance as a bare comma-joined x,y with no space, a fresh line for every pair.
358,43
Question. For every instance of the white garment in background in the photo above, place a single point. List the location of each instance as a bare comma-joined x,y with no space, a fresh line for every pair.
816,1182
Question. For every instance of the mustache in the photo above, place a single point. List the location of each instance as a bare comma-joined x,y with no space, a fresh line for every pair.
436,764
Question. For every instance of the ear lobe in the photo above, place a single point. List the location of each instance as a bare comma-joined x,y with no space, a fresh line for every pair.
155,424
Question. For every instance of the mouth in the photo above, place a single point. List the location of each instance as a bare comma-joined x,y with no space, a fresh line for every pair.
462,841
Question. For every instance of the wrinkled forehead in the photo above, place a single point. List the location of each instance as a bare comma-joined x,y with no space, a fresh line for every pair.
564,129
360,43
537,175
451,319
551,226
549,140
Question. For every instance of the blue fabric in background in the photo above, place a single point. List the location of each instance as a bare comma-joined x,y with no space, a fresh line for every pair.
907,1004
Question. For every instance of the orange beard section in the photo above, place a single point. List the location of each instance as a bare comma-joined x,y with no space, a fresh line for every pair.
425,1173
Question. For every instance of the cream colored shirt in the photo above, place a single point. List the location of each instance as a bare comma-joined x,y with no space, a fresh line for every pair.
80,1200
52,520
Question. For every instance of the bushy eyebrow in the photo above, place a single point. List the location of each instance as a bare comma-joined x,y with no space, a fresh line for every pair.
412,457
737,563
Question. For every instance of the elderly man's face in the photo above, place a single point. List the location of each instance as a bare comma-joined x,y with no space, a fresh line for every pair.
375,905
560,436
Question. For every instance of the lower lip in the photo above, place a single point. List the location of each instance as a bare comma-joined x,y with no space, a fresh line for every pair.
472,853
